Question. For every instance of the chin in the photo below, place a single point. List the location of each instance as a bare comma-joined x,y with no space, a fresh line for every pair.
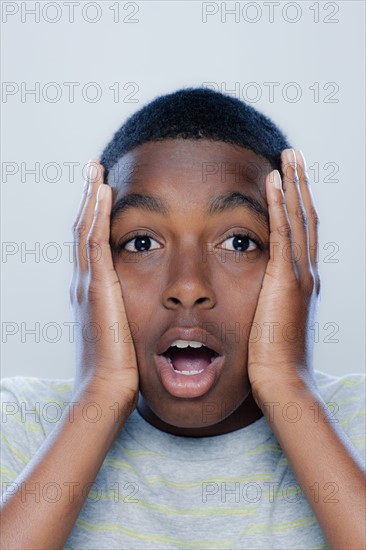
197,413
191,422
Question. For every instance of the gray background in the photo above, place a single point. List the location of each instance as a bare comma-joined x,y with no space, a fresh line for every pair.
316,45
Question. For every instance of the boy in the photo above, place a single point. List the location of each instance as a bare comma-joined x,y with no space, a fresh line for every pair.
196,418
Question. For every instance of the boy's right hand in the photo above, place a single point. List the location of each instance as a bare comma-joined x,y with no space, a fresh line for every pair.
106,377
106,357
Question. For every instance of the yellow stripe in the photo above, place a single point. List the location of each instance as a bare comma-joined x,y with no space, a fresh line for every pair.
274,447
172,510
15,451
7,475
62,388
358,440
359,414
350,382
150,537
138,453
30,427
153,480
278,527
50,386
346,400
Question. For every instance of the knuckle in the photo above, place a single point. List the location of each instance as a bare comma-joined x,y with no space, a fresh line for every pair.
314,216
278,201
79,294
94,250
301,216
76,295
318,286
284,230
308,283
79,229
94,292
93,239
307,178
71,294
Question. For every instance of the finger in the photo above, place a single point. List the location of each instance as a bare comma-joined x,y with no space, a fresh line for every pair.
95,178
311,212
297,214
99,251
79,212
280,239
83,195
100,261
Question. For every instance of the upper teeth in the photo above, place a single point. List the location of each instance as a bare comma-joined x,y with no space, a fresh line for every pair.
186,343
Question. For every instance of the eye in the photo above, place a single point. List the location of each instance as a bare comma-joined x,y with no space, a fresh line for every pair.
241,243
139,243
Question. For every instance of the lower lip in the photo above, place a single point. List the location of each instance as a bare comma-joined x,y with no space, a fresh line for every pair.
193,385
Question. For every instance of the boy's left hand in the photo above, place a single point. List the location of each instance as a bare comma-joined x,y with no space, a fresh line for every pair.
281,339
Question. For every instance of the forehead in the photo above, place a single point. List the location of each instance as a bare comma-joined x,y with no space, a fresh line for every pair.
181,161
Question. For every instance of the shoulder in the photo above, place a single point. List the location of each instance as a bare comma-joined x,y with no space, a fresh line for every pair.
30,408
350,387
345,398
33,404
32,389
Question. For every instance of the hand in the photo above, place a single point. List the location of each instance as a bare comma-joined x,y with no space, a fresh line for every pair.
281,339
106,358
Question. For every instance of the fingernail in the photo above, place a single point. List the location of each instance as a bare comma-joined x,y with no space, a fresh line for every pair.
305,167
303,159
277,182
91,171
291,157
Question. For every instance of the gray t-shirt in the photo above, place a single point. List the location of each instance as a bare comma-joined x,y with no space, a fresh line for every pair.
158,491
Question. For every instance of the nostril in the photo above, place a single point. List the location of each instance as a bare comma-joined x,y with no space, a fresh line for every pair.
187,298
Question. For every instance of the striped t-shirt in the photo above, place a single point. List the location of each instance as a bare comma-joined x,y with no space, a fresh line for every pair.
157,490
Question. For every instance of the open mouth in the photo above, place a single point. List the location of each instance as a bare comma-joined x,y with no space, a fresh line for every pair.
188,368
189,358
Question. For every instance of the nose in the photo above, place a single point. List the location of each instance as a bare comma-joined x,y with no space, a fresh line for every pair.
189,284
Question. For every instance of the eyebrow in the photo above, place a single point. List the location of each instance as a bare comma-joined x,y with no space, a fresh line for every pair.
234,199
216,205
148,203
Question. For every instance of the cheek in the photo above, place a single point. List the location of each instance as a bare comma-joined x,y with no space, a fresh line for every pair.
242,285
242,301
236,324
138,290
139,305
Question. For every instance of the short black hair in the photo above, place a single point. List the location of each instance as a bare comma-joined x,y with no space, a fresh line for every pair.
197,113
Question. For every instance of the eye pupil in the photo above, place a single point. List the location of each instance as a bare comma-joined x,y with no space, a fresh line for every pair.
142,243
241,241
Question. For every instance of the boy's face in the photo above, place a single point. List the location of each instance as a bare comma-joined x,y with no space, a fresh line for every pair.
193,269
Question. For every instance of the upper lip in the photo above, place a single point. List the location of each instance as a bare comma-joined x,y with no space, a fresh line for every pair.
196,334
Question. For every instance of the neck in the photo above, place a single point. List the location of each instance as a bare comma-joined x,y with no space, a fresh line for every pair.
247,413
